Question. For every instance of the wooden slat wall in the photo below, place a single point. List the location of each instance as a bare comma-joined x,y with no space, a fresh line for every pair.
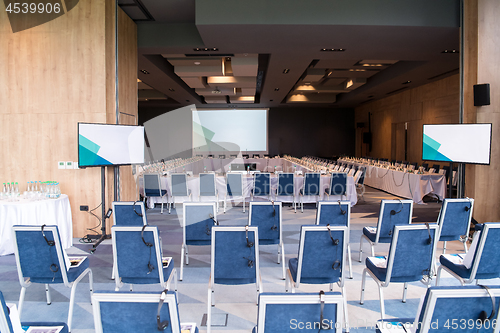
54,76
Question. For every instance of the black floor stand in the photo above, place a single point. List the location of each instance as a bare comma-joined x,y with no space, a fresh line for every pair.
103,235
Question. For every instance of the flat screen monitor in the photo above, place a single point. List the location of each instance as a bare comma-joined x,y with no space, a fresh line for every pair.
461,143
107,144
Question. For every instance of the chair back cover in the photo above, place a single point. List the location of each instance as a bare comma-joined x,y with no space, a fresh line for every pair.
127,213
233,260
333,213
134,312
197,223
320,260
133,256
152,185
267,217
207,184
179,185
286,184
311,184
234,184
454,218
36,258
411,252
262,184
392,213
338,183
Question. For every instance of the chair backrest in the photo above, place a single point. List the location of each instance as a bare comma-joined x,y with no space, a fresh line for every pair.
5,323
178,184
411,253
285,184
197,222
36,259
436,167
288,313
454,218
311,183
207,184
338,183
267,216
235,255
425,166
134,257
129,213
152,185
392,213
486,260
322,254
222,156
234,183
262,183
134,311
457,304
334,213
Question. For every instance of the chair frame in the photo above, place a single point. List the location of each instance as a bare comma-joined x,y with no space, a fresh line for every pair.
159,188
242,190
442,215
211,283
281,246
379,224
348,225
306,299
278,187
216,193
254,186
188,192
476,261
184,247
390,263
61,261
302,191
157,245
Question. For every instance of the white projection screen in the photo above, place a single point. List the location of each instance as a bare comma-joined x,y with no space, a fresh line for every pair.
461,143
236,130
107,144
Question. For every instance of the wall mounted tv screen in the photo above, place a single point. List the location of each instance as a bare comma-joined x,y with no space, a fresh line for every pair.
461,143
107,144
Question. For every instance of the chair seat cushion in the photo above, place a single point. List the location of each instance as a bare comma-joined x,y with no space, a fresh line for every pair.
154,193
293,267
371,233
47,324
459,269
234,281
447,238
153,279
198,242
269,241
72,274
378,268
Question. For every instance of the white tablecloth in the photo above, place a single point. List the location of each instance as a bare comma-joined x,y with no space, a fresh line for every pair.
403,184
25,212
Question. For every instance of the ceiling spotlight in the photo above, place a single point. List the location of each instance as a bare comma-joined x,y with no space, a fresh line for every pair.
453,51
332,50
276,89
171,89
286,70
216,91
143,71
197,49
197,63
406,82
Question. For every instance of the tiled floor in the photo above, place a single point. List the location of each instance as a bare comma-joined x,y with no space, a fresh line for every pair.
237,301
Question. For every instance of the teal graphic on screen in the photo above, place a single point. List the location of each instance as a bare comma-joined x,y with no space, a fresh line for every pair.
88,152
430,150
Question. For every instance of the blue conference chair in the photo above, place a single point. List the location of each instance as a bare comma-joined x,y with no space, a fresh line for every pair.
197,222
392,212
129,213
290,313
312,184
40,258
338,185
468,309
262,185
286,187
208,187
267,216
152,188
454,220
234,260
484,261
6,325
321,259
137,312
410,259
336,214
138,258
234,188
179,188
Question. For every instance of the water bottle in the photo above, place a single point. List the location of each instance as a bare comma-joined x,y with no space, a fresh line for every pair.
57,190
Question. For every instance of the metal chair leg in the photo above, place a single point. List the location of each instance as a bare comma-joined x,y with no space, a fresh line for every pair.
405,289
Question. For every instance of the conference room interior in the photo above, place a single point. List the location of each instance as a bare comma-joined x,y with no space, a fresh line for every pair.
378,73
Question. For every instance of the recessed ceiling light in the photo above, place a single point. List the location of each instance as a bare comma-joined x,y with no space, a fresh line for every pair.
406,82
286,70
276,89
450,51
171,89
197,49
271,100
143,71
332,50
187,100
357,70
197,63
